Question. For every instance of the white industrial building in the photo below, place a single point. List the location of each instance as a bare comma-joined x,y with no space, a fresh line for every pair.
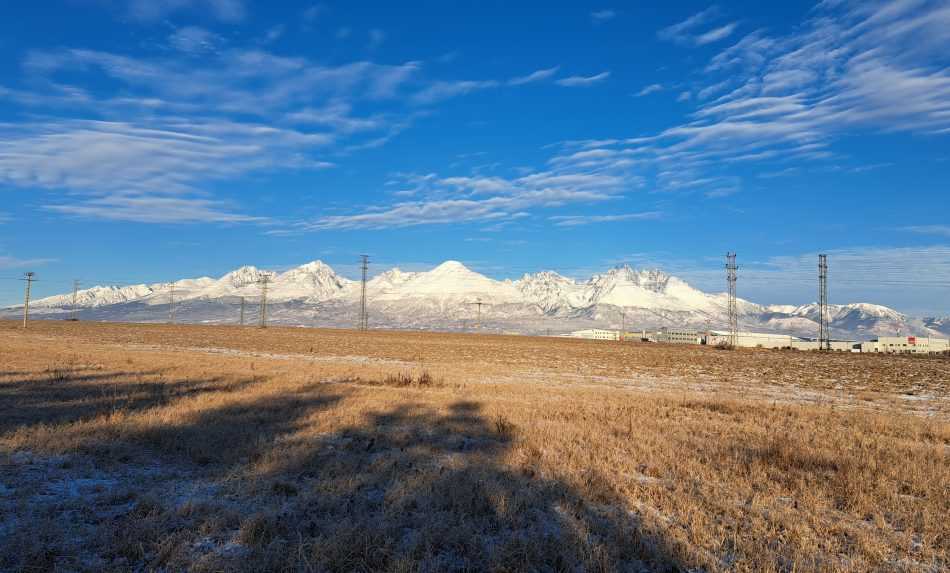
906,345
678,336
884,344
594,334
751,339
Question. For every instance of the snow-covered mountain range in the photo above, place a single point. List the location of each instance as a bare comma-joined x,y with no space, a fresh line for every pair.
446,298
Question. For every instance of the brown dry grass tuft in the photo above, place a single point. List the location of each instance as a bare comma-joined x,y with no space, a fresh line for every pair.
119,451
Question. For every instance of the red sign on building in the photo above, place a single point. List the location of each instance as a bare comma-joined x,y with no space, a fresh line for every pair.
912,340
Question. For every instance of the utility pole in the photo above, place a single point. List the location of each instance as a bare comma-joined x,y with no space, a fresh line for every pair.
824,334
265,279
623,323
478,320
28,277
731,272
242,311
75,308
364,319
171,303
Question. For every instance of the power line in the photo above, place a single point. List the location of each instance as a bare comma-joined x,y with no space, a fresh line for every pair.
171,303
478,319
264,280
75,308
28,277
364,267
824,335
731,272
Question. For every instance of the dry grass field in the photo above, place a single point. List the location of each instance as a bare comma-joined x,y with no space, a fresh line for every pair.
210,448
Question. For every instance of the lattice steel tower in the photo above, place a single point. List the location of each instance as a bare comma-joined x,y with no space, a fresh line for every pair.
731,270
824,333
364,319
264,280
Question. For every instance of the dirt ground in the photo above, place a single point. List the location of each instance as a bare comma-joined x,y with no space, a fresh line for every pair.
209,448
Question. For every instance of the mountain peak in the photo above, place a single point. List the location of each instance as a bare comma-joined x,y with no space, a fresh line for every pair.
450,266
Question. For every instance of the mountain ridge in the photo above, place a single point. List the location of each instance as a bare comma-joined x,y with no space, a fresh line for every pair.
445,298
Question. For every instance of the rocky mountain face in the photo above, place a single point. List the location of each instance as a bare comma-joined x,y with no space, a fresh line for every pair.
447,298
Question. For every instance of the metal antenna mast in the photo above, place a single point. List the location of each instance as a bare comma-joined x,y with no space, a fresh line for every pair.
731,270
171,303
75,299
242,311
364,319
824,333
265,279
28,277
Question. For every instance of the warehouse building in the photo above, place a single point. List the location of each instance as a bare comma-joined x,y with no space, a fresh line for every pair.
594,334
678,336
906,345
751,339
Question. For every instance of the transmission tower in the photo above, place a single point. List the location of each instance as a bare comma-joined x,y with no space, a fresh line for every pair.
364,319
264,280
75,307
478,319
28,277
171,303
242,311
731,270
824,333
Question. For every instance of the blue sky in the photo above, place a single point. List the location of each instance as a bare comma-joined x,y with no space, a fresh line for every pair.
146,140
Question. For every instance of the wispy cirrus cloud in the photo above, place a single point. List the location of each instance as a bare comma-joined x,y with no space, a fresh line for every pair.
194,40
780,101
11,262
536,76
151,10
941,230
478,198
647,90
178,126
600,16
695,30
579,220
443,90
583,81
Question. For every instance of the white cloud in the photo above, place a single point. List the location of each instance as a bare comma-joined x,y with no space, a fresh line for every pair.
536,76
445,200
224,10
154,209
583,81
941,230
716,34
194,40
652,88
688,31
775,100
603,15
443,90
578,220
9,262
178,126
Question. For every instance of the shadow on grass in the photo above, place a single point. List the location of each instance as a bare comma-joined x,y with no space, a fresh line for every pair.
62,396
405,489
